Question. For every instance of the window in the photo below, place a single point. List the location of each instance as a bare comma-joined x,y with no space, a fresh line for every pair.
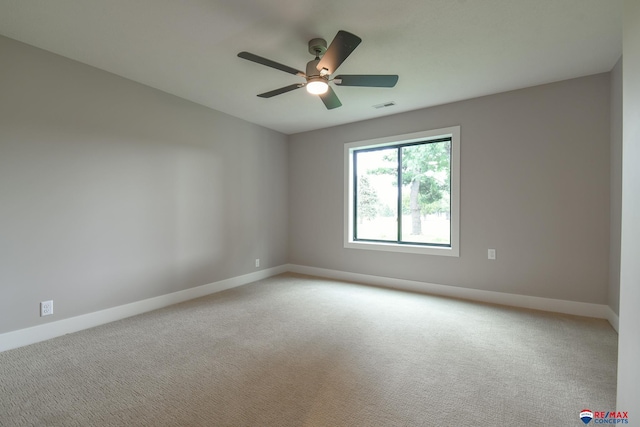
402,193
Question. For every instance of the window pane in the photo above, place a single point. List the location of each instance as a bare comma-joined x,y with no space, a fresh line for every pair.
376,208
426,193
402,193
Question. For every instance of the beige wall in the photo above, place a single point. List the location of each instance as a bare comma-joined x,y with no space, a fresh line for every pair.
629,339
113,192
534,185
615,208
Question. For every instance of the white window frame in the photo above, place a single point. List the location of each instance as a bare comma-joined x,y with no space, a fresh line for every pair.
454,250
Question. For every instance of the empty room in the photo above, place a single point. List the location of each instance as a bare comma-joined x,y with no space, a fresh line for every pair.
338,213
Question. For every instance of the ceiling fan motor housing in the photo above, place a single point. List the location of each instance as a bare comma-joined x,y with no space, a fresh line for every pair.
312,70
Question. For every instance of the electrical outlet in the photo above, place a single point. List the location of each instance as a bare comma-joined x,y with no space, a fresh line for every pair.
257,262
46,308
491,254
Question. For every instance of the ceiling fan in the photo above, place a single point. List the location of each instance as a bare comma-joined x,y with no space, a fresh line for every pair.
319,71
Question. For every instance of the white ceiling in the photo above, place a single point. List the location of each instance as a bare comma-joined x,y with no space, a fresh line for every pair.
443,50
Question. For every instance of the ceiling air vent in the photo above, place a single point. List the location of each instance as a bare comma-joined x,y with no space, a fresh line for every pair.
384,105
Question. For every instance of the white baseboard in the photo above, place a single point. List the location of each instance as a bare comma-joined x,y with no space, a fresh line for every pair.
22,337
613,318
599,311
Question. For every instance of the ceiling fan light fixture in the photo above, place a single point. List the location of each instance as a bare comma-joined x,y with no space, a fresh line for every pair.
317,86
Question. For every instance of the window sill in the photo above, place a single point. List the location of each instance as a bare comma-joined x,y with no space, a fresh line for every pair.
405,248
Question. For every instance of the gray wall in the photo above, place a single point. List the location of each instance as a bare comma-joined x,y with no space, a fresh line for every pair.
629,339
113,192
615,208
534,185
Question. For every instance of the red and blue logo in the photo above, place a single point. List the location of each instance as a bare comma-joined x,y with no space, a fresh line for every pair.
602,417
586,416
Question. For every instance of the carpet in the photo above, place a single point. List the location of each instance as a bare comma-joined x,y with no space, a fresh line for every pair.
294,350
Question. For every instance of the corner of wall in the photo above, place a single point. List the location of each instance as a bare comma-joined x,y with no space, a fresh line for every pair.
615,197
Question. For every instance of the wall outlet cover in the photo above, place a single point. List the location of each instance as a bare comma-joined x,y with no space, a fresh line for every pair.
46,308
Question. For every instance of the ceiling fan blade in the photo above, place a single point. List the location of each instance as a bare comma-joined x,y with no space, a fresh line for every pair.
281,90
368,80
330,99
269,63
340,48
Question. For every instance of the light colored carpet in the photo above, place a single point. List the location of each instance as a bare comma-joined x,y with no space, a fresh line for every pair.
299,351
